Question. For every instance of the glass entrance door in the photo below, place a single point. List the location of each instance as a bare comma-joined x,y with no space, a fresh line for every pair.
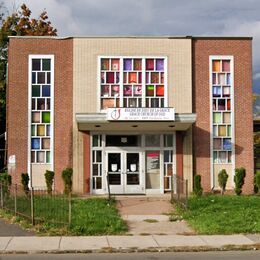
124,172
115,172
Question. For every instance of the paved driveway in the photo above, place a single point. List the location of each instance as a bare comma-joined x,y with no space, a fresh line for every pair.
7,230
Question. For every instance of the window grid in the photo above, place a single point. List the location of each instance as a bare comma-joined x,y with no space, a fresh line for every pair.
97,162
41,110
132,82
221,111
165,145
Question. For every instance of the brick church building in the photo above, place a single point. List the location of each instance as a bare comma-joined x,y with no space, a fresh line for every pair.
132,110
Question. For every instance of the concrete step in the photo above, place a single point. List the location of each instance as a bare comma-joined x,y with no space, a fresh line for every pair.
147,218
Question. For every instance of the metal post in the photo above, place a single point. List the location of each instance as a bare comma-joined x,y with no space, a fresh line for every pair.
15,199
2,197
108,188
69,208
32,205
172,187
186,182
177,188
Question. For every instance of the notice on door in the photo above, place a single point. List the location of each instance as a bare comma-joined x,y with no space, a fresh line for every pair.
141,114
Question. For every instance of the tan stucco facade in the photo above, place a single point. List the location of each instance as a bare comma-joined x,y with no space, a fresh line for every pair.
86,53
230,170
38,171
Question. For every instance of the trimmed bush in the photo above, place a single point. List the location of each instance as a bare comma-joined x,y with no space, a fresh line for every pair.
239,179
67,180
222,180
49,178
6,180
25,182
198,190
257,182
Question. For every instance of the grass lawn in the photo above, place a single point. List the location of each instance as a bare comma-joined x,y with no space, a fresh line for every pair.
94,216
217,214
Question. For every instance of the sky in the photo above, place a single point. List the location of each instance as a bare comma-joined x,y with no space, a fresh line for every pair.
154,17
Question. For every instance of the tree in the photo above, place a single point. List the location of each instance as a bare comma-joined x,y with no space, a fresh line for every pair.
239,179
198,190
19,23
49,178
2,11
67,179
222,180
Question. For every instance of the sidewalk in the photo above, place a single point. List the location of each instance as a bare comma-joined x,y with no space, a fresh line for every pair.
7,230
155,236
154,243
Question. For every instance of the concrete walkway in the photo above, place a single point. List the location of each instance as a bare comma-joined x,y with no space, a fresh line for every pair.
126,243
149,215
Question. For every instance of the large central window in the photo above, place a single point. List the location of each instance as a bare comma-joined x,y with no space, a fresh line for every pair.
133,82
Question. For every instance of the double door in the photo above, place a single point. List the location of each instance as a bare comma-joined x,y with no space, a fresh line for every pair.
124,172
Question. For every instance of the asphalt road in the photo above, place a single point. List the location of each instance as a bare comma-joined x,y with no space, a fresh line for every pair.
9,230
234,255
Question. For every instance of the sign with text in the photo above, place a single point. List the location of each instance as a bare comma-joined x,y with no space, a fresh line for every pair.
141,114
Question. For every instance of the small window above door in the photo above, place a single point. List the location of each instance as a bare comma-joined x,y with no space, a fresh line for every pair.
123,140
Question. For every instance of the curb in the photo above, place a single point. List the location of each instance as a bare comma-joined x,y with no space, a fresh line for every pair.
143,250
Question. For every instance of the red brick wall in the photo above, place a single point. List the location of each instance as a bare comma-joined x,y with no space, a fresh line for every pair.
241,49
17,100
179,154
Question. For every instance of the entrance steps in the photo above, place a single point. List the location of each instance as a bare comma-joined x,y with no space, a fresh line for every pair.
144,205
149,215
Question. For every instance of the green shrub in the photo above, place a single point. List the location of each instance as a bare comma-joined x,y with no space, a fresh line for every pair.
67,180
198,190
49,178
25,182
222,180
257,182
239,179
6,180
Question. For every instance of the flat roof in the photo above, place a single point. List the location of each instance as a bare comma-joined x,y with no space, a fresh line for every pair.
140,37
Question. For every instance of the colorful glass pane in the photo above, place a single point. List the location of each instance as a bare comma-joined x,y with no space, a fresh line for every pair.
45,143
35,143
48,157
36,64
137,64
104,64
36,117
46,90
40,130
150,90
36,91
40,157
46,117
160,90
115,64
46,64
40,77
127,64
160,64
150,64
216,65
